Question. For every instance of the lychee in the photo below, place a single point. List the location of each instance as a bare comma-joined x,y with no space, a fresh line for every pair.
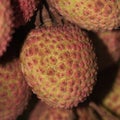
6,25
59,64
96,15
23,11
45,112
14,92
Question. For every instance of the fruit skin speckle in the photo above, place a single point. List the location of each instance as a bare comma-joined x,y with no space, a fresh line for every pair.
96,15
59,64
23,11
14,91
45,112
6,25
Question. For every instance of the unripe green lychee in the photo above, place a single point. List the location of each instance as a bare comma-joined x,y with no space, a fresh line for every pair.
14,92
59,64
97,15
44,112
6,25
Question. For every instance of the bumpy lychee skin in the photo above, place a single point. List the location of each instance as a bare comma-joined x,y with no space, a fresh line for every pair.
14,92
112,99
107,48
59,64
97,15
23,11
44,112
6,25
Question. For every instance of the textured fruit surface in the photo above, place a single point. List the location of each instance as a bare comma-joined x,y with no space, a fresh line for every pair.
14,92
44,112
59,64
6,19
23,11
90,14
112,99
107,46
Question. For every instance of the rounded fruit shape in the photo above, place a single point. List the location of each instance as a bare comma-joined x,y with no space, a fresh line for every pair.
6,25
14,91
59,64
45,112
96,15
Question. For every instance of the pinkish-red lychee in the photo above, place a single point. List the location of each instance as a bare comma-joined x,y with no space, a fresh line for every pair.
14,91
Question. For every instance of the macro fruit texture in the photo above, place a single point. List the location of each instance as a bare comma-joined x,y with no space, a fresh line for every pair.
112,100
6,25
59,64
14,92
96,15
45,112
23,11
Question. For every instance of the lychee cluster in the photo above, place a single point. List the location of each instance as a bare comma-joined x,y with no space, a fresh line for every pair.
57,58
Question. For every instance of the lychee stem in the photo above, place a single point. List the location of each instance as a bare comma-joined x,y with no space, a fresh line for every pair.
37,19
46,18
58,19
102,112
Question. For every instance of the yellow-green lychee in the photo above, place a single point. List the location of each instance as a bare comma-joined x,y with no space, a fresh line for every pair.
96,15
59,64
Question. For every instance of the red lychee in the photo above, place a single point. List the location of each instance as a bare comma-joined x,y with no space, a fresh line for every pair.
14,91
6,25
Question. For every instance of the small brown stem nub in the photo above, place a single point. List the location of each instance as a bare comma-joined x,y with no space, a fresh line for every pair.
46,18
37,19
